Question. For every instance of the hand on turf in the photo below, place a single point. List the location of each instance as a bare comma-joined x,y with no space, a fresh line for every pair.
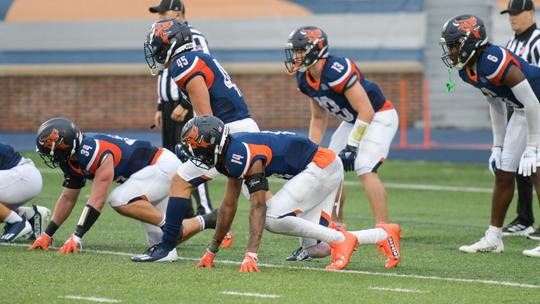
495,159
72,245
249,264
207,260
348,155
43,242
527,164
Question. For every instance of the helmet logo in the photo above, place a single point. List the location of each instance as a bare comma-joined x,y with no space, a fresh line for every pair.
469,25
162,30
194,139
53,138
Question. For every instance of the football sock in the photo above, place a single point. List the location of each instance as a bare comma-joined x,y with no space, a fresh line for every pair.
295,226
162,223
319,250
176,211
370,236
201,222
494,232
209,220
13,218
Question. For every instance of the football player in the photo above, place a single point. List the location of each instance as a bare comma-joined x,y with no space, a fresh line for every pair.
211,91
142,170
20,181
502,77
314,174
336,86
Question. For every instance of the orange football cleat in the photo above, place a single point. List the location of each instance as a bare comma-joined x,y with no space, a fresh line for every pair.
390,245
341,252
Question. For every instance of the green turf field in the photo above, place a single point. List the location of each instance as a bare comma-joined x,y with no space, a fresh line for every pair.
439,206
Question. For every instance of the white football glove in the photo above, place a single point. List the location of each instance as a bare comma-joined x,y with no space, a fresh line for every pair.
495,159
527,164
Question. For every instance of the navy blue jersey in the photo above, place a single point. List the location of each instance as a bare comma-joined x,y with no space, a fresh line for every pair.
226,99
282,153
339,74
492,67
129,156
8,157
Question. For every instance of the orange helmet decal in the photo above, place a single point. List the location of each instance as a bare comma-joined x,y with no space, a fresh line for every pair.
469,25
194,139
313,35
53,137
161,30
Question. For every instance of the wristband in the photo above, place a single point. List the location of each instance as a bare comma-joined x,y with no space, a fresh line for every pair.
357,132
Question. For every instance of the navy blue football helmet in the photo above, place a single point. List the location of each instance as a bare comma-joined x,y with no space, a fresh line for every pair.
309,40
57,140
466,34
166,38
203,139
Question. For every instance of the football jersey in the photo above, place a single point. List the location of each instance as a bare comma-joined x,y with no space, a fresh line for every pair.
283,153
8,157
226,100
129,156
492,67
338,74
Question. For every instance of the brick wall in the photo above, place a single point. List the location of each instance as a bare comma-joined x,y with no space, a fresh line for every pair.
128,102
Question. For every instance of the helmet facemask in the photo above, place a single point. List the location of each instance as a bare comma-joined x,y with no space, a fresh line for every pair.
160,46
204,146
304,49
57,141
462,36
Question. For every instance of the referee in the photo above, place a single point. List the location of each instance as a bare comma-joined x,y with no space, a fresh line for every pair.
174,108
526,44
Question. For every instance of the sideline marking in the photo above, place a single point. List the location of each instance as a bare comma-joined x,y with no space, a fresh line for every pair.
250,294
383,274
396,289
92,299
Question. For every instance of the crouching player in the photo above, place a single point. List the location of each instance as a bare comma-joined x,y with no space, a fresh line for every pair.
315,174
144,172
20,181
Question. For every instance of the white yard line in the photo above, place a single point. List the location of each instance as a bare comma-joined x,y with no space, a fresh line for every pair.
91,299
250,294
357,183
396,289
383,274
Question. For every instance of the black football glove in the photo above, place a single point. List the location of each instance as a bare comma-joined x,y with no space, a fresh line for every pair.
347,156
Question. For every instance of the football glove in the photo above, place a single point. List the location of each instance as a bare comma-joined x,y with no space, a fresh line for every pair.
42,242
207,260
72,245
228,240
495,159
249,264
348,155
527,164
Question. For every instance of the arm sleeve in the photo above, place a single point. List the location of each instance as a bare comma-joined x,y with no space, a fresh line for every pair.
497,112
526,96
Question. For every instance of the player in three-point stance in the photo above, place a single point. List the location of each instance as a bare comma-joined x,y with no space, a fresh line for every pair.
143,171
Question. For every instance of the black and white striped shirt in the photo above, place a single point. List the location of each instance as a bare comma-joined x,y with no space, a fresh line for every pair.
527,45
166,87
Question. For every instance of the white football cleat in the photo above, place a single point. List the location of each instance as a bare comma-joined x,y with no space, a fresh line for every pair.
535,252
484,246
